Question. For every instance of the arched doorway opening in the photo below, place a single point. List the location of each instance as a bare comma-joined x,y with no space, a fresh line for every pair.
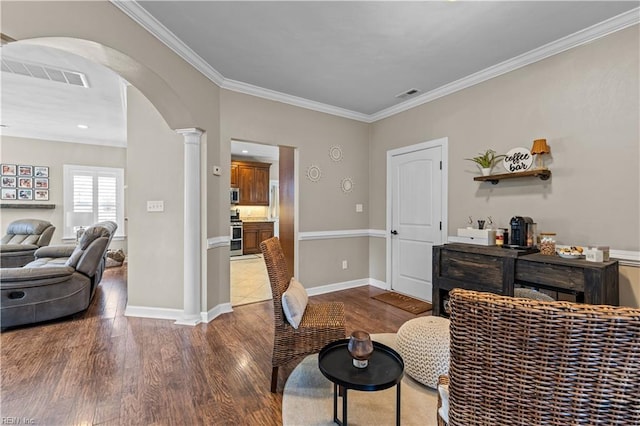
186,211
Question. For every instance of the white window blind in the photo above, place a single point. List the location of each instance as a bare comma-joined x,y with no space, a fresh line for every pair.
92,194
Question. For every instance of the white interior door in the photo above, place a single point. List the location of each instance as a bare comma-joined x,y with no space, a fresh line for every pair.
416,218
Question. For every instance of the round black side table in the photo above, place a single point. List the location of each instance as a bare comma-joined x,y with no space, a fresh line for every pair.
385,369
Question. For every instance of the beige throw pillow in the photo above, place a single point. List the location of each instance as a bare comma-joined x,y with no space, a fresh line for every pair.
294,302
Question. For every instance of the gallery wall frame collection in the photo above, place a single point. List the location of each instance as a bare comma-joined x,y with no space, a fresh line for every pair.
24,182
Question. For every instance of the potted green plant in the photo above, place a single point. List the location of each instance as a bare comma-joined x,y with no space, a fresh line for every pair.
486,161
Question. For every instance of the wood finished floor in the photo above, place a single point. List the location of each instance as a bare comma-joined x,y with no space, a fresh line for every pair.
102,368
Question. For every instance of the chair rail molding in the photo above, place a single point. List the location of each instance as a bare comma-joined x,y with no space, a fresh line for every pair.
346,233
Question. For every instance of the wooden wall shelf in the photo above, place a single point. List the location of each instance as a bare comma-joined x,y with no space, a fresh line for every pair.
26,206
543,174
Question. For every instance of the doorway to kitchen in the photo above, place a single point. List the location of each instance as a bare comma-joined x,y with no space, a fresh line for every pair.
257,177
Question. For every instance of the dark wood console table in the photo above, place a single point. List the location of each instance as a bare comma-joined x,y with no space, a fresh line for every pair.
498,270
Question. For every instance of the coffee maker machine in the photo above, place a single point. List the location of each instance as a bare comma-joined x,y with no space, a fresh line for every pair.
520,226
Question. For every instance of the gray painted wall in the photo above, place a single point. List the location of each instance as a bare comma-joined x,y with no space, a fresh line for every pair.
154,172
55,155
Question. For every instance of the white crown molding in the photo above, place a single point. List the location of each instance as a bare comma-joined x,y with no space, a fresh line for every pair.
579,38
136,12
148,22
249,89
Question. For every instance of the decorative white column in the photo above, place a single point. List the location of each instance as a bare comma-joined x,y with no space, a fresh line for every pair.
192,251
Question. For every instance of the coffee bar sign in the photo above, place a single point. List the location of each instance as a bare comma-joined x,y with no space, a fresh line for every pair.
518,160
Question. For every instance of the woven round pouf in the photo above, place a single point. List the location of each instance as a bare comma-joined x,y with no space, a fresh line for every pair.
423,344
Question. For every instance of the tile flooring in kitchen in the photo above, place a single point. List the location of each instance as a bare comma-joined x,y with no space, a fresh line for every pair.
249,280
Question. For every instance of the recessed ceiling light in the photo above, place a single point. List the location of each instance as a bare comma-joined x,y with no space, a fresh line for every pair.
244,151
82,126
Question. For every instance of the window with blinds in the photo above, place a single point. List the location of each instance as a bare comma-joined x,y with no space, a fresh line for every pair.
92,194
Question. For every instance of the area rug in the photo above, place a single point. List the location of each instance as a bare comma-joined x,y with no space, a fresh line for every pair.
308,399
403,302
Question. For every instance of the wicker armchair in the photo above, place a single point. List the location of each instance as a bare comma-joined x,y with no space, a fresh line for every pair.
525,362
322,323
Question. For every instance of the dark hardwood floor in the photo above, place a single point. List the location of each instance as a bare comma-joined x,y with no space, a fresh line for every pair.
102,368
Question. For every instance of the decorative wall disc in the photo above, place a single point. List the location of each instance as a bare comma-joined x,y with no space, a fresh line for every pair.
346,185
335,153
314,173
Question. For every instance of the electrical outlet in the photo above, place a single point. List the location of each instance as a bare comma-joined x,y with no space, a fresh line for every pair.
155,206
345,264
358,208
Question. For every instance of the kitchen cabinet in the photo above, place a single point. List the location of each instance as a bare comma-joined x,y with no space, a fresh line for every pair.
253,182
234,175
253,234
499,270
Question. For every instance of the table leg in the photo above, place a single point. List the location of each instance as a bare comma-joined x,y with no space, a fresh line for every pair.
335,403
398,405
344,406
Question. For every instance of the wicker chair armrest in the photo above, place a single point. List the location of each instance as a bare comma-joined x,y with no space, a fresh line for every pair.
443,380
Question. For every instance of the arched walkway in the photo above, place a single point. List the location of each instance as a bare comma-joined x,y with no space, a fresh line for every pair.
177,116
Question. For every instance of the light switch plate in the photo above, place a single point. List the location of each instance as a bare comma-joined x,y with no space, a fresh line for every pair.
358,208
155,206
217,171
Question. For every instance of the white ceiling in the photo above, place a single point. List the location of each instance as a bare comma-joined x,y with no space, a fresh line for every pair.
43,109
347,58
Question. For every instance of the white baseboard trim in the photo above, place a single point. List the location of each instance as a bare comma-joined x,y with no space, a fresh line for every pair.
330,288
379,284
216,311
176,314
155,313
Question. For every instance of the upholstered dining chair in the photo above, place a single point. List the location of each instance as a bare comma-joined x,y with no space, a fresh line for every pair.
518,361
321,323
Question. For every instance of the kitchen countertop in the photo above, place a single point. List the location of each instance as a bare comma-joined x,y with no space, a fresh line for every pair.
257,219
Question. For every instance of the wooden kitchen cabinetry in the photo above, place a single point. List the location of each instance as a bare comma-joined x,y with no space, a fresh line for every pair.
499,270
253,233
253,181
234,175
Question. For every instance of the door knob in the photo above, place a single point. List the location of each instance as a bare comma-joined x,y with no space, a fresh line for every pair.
394,232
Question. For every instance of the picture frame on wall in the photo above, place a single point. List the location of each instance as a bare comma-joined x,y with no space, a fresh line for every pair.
9,182
41,195
25,183
25,194
8,194
8,169
41,171
41,183
25,170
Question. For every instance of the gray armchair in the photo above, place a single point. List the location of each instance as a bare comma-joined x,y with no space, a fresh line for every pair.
59,282
23,238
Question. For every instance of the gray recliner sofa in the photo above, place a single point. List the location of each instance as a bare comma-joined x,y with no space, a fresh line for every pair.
21,241
60,281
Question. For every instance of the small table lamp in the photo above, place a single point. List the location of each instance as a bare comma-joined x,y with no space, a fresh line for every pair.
540,147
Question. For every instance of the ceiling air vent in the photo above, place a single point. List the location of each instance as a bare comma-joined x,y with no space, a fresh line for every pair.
408,94
44,72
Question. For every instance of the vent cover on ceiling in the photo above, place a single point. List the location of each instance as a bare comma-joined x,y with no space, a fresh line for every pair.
408,93
44,72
